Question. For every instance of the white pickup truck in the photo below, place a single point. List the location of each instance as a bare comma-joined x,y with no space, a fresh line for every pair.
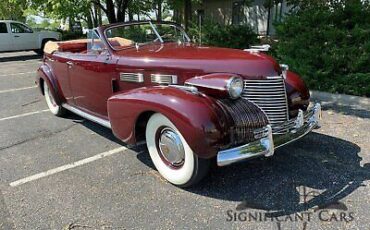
16,36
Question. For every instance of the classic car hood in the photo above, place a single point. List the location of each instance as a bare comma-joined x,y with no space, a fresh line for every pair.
201,60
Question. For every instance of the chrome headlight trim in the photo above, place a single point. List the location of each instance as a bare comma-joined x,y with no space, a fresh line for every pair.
235,86
284,69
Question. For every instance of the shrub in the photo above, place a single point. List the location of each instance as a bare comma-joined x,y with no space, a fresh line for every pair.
68,35
329,45
230,36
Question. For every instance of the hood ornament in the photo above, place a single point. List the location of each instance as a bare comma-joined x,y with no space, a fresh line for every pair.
259,48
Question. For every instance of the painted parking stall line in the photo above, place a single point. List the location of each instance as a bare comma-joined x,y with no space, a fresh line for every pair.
67,166
17,62
17,74
18,89
24,115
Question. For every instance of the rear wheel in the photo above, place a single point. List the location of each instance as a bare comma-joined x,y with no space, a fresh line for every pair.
55,109
171,154
40,51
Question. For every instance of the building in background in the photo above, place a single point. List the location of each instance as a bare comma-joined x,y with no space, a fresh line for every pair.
254,12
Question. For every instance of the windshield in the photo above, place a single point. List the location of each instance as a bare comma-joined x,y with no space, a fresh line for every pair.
127,36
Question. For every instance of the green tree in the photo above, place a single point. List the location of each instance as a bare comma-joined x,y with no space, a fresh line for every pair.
328,43
13,9
31,22
45,24
73,10
183,11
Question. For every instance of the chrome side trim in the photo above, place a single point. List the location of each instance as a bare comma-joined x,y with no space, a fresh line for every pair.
87,116
190,89
205,86
266,145
132,77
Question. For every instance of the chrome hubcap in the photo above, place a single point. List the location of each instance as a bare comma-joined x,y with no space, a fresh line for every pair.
171,148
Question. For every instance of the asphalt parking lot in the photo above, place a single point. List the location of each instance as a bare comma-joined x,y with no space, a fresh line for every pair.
52,176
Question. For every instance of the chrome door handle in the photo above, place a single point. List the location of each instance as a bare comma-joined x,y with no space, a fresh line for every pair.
70,64
50,59
16,36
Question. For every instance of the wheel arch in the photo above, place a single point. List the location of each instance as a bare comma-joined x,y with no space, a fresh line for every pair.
195,116
140,125
44,74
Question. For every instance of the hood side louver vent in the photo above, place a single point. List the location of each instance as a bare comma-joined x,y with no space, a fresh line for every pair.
163,79
132,77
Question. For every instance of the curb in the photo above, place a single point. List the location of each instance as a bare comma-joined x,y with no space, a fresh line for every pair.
341,100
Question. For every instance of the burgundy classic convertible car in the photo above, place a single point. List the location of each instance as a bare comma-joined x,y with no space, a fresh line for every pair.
190,104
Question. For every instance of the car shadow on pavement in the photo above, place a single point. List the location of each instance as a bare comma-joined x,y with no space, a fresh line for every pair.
20,58
315,163
326,169
104,132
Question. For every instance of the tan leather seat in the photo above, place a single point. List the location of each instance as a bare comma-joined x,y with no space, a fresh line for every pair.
80,45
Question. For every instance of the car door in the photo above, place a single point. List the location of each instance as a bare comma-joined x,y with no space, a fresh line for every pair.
58,62
92,76
23,37
5,38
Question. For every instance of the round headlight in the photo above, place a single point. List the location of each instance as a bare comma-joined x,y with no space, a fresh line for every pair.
235,87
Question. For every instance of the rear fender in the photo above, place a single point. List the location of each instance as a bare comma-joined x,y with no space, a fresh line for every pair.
197,117
45,74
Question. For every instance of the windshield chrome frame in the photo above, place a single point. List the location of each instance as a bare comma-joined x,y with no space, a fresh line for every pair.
143,23
156,32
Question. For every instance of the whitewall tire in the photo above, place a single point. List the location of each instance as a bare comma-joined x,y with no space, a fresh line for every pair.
54,108
171,154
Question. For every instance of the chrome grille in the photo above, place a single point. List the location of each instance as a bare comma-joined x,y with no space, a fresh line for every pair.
270,95
246,117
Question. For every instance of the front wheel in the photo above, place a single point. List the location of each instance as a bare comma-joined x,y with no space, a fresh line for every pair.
55,109
171,154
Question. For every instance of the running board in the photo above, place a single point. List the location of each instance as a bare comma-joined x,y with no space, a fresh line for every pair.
87,116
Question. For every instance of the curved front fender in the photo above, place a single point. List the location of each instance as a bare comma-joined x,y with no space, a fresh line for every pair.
44,73
197,117
298,94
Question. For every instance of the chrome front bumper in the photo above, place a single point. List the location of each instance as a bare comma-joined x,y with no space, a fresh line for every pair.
288,132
